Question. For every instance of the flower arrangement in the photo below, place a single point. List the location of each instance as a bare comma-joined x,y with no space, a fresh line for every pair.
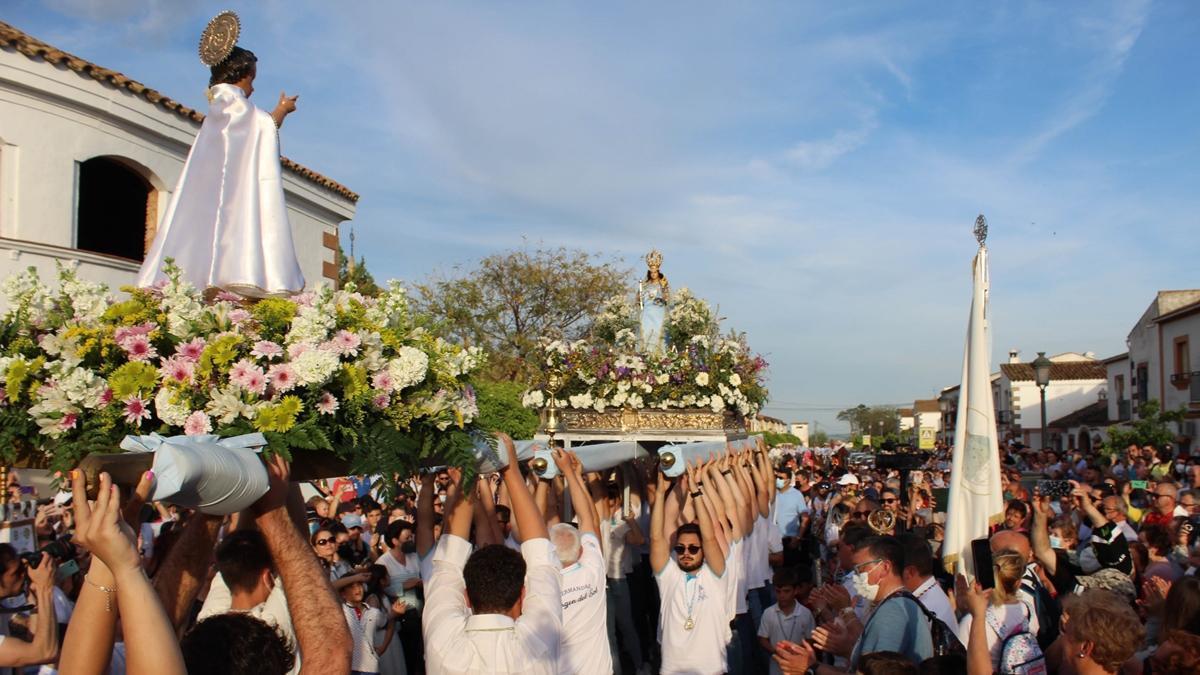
698,368
325,370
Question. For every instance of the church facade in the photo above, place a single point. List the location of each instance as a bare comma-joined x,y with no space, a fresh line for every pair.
89,159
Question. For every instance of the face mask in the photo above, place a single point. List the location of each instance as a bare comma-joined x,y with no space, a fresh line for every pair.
780,483
863,587
442,498
1179,468
1055,542
934,544
408,547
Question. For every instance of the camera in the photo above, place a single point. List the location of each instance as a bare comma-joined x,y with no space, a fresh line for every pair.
60,549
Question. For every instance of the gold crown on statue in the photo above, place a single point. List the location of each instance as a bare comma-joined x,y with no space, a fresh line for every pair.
219,38
654,258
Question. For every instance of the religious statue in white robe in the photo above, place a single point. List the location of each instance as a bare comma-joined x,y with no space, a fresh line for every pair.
226,226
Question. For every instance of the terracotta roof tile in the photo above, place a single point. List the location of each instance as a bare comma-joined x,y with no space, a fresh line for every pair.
927,406
1069,370
34,48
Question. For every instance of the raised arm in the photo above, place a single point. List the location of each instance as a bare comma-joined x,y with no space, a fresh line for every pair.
528,520
731,499
424,524
44,647
660,546
714,557
150,644
585,510
762,493
321,632
1039,534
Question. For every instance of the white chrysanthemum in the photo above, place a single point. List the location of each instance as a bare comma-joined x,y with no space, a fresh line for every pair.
82,387
312,324
168,411
636,402
735,380
702,379
600,405
716,403
534,398
583,400
619,399
315,367
662,378
408,368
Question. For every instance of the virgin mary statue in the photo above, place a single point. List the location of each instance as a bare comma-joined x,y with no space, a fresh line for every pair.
226,226
654,294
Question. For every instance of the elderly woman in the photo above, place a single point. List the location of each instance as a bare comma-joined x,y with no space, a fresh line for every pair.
1100,632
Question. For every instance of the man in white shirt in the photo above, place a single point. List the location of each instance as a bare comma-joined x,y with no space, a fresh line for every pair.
694,618
917,577
787,619
619,532
494,610
584,649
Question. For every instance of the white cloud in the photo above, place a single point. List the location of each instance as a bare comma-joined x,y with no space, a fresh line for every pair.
819,154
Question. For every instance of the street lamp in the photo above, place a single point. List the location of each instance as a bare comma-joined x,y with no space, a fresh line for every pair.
1041,375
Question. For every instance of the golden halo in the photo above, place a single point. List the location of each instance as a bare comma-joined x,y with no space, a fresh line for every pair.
219,38
882,521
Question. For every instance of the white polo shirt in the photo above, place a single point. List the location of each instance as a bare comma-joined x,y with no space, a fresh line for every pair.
794,627
458,642
584,648
703,596
362,636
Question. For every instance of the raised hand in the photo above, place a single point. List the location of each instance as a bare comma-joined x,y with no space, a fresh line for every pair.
99,527
561,460
42,576
287,104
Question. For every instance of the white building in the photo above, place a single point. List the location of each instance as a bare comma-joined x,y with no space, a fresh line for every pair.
907,420
1118,373
1077,381
88,160
800,430
1162,358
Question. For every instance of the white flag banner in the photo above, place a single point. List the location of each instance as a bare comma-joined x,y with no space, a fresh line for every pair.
976,500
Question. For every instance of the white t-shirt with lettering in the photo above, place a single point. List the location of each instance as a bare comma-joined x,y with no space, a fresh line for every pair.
703,597
584,647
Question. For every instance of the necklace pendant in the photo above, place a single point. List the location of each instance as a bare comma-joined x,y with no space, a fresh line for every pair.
689,624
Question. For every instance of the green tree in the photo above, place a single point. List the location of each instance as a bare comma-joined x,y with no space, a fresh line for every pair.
1152,427
363,281
500,409
877,421
818,439
507,301
773,439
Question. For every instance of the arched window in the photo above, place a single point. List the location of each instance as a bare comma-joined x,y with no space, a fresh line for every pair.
118,209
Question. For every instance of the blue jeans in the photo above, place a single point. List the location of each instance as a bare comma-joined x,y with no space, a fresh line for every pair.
620,616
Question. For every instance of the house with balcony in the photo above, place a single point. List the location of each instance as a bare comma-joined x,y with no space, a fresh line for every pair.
1120,404
89,158
1162,362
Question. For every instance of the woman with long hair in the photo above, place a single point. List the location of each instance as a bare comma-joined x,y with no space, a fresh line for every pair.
1006,614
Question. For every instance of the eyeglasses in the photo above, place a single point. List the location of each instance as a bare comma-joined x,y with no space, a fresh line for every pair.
690,548
322,542
858,567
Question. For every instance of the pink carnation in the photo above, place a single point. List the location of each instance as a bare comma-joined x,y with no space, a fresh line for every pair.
328,403
283,377
191,350
136,410
197,423
178,370
138,348
265,349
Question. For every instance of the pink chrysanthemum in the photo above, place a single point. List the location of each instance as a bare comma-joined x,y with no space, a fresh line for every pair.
265,349
178,370
226,296
238,315
345,343
237,372
138,348
282,377
106,397
191,350
136,410
328,404
383,380
255,382
294,351
381,401
197,423
123,332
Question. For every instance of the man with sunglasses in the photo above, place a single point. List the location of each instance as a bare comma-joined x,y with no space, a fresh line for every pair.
694,615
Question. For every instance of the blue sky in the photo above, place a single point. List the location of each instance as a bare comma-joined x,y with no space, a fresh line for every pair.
813,170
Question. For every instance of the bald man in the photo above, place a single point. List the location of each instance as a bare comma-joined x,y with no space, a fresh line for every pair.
1115,510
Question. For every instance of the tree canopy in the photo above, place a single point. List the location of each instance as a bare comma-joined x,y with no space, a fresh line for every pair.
1152,427
878,421
507,301
362,279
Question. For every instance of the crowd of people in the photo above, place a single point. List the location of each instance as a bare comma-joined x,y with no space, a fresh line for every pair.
756,561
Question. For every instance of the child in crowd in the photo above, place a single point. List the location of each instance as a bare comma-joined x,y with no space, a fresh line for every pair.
363,619
788,619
